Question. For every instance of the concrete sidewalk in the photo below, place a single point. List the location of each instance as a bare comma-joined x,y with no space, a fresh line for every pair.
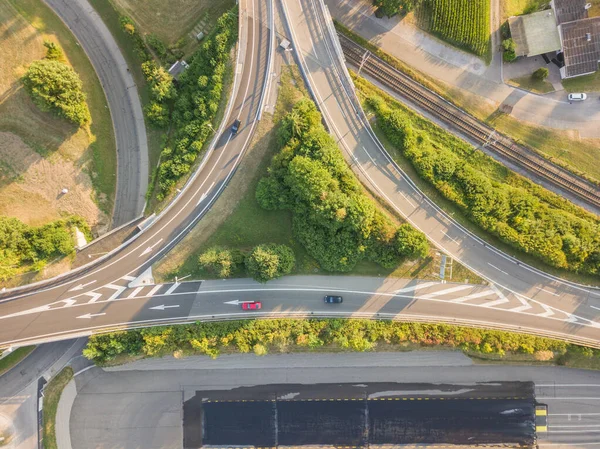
462,70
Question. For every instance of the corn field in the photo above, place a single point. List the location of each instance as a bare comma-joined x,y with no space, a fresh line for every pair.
463,23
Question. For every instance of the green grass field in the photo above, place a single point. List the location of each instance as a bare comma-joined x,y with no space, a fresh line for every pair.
534,85
462,23
52,394
14,358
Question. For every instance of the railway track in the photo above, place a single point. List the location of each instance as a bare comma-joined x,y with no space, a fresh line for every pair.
468,125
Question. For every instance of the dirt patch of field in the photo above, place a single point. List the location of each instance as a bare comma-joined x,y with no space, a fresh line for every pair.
40,154
171,20
30,186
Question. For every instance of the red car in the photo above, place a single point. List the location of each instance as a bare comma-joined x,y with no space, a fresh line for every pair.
251,305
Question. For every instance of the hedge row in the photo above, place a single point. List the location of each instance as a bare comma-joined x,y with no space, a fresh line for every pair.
333,218
560,237
283,335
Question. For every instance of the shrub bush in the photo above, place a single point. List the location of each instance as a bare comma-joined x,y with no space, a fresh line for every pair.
266,262
55,86
221,261
541,74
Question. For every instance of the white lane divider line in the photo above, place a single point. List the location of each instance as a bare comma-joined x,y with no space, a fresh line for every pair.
502,299
444,232
118,290
407,200
474,296
172,288
135,292
501,271
547,291
446,291
367,153
415,287
152,292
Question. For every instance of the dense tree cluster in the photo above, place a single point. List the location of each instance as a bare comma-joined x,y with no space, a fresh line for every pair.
284,335
332,216
199,93
509,47
559,237
162,93
22,245
266,262
220,261
55,86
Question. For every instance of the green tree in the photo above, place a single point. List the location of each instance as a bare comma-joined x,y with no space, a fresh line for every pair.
392,7
410,242
220,261
53,51
266,262
55,86
541,74
509,46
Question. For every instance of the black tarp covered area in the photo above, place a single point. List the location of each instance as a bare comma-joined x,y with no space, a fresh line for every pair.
362,415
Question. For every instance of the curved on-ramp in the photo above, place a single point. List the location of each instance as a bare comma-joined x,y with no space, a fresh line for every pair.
124,104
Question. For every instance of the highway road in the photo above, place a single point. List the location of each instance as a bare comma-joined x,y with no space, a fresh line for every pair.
155,389
333,91
107,294
191,204
123,101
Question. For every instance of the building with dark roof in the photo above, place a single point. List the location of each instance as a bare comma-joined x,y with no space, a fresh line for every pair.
578,44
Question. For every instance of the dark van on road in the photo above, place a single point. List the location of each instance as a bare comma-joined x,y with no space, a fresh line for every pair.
236,126
333,299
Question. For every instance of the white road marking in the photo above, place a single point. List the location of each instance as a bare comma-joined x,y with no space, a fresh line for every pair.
149,249
94,296
444,232
81,286
135,292
172,288
473,296
501,271
573,426
547,291
154,290
91,315
502,299
163,307
549,312
597,308
128,278
367,153
416,287
118,290
525,304
236,302
458,288
202,198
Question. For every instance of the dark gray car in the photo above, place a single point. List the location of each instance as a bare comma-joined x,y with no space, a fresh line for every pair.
333,299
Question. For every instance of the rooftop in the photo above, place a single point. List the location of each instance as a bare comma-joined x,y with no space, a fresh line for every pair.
535,34
581,46
570,10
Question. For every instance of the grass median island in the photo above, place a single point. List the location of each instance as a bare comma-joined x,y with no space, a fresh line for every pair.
329,335
513,209
12,359
52,393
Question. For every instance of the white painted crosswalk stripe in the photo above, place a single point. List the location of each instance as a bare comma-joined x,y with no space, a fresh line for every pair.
135,292
172,288
416,287
154,290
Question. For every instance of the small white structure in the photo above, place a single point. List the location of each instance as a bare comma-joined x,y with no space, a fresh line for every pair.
176,69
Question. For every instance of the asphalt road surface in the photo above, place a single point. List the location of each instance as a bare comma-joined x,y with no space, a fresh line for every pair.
362,415
123,101
141,404
316,51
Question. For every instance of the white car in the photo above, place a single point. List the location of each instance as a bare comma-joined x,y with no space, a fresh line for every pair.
577,97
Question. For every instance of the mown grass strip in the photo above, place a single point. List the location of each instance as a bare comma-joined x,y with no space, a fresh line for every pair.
52,394
12,359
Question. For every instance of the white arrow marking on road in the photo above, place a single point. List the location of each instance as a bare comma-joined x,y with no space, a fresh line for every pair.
90,315
81,286
202,198
237,302
149,249
163,307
